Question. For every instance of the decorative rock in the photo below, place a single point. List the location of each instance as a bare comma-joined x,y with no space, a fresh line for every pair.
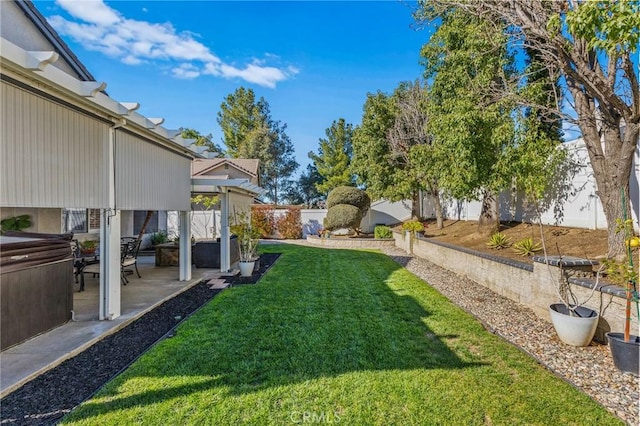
589,368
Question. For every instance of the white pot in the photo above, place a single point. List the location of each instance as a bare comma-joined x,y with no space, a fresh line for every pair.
574,330
246,268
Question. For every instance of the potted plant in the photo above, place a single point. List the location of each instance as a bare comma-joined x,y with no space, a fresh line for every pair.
624,346
88,246
247,242
159,237
412,227
574,323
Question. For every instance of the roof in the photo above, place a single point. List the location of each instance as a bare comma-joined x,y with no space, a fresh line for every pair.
202,166
33,71
205,184
52,36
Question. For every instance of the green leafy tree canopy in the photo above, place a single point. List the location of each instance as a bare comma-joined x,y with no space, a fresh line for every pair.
334,156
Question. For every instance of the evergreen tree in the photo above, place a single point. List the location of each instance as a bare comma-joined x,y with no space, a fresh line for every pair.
334,156
202,140
250,132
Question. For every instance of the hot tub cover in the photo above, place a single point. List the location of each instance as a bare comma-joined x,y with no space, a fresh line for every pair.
18,253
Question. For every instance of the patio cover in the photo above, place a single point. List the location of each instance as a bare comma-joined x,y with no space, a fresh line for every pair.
224,187
87,150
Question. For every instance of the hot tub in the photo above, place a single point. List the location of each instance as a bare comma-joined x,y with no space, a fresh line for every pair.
36,286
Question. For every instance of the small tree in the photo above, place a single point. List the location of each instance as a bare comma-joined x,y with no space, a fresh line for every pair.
247,235
343,216
347,206
203,203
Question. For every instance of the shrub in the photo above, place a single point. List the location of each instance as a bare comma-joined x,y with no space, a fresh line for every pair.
289,225
16,223
413,226
159,237
526,247
342,216
382,231
349,195
498,241
262,219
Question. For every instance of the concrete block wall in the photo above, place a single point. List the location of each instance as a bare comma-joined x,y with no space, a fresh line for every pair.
353,243
531,285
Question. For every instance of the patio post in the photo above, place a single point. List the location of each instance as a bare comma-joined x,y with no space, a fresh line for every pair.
185,246
110,273
110,264
225,265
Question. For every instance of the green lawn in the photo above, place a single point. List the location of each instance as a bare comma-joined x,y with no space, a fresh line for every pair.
336,336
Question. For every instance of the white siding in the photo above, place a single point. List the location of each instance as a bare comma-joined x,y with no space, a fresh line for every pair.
51,156
149,177
16,27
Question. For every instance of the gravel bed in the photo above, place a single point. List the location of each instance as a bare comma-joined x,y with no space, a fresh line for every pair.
590,368
47,398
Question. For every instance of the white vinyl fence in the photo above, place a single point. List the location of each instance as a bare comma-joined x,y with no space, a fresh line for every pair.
205,225
381,212
577,204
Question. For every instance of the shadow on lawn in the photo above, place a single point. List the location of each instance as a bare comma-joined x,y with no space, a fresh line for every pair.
314,315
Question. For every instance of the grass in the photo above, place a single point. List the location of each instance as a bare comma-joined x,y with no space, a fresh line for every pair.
336,336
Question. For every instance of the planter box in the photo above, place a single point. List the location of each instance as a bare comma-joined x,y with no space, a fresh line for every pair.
167,254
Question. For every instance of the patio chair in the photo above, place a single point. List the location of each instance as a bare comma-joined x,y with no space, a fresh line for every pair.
77,261
81,264
129,258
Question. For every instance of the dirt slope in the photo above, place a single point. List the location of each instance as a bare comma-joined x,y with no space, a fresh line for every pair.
585,243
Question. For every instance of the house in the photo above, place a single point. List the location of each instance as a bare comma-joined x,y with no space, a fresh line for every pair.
68,150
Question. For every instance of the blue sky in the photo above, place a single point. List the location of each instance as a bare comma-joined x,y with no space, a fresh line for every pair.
314,62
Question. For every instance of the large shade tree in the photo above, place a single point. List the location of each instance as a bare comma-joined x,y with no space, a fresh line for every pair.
391,147
371,149
412,151
591,43
250,132
334,156
473,132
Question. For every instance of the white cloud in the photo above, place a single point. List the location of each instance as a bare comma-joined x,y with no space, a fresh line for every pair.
92,11
134,42
253,73
186,71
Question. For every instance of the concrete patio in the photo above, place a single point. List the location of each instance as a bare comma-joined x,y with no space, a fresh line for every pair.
23,362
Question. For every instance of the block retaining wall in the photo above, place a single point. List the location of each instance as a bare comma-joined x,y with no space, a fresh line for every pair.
530,285
370,243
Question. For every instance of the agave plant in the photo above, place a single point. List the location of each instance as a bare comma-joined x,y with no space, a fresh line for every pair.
498,241
527,247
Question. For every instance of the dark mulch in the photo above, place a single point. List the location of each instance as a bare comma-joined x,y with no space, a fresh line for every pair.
47,398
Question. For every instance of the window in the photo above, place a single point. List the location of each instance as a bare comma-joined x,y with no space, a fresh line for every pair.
80,221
